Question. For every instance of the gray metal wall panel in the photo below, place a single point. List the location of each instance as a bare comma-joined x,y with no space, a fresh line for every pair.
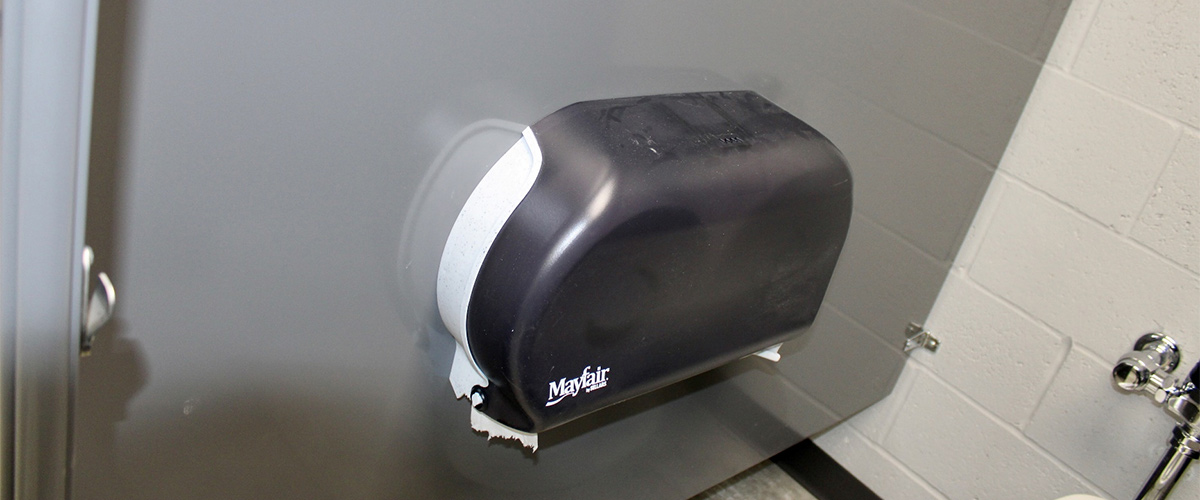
49,53
273,181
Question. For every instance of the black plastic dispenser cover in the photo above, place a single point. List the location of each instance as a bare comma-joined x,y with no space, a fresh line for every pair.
664,236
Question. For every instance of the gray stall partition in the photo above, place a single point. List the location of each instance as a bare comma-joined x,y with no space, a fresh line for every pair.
272,183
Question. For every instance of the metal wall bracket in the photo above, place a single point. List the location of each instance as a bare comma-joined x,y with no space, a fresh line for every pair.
99,297
917,336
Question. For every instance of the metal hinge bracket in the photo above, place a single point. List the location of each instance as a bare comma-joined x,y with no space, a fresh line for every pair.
99,297
917,336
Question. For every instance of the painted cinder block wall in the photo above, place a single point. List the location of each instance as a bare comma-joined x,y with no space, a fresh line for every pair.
1087,237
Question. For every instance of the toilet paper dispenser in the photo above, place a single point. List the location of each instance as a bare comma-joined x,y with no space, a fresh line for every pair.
623,245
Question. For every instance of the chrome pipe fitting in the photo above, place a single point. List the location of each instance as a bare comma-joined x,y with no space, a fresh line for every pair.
1184,448
1144,368
1149,368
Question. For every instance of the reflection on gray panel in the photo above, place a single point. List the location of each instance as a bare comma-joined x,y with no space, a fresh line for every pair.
1018,24
934,74
843,358
272,183
892,171
876,277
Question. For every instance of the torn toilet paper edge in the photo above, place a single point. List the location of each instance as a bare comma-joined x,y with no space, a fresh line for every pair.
464,376
494,429
770,354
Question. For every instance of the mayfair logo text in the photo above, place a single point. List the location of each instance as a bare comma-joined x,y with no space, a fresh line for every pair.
587,382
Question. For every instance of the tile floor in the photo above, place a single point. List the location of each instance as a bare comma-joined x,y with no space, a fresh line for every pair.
765,481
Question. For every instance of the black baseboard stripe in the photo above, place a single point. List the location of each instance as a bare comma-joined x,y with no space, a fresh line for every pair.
820,474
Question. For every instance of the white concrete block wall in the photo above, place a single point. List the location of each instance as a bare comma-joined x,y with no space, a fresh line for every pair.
1088,237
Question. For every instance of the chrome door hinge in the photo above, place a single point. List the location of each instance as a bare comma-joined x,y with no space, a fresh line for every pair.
99,297
917,336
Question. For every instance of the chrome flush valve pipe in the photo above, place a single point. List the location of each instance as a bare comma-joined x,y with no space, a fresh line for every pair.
1149,369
